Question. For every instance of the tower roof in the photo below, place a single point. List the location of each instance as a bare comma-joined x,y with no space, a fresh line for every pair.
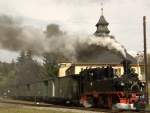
101,25
102,21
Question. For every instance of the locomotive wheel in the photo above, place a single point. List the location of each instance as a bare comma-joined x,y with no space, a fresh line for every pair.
88,102
135,87
109,101
105,101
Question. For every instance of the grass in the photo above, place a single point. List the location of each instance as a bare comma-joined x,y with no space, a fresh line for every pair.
19,108
15,110
6,109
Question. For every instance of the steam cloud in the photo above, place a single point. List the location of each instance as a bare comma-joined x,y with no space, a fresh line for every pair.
15,37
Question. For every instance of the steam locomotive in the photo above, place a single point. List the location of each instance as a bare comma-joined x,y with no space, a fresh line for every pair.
94,87
101,87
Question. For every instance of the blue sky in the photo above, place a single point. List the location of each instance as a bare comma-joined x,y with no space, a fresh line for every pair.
79,17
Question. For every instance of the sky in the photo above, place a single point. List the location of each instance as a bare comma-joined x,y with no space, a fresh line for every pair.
125,18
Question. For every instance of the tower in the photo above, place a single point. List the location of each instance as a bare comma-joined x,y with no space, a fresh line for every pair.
102,26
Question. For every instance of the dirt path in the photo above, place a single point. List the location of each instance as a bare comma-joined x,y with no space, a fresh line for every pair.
9,103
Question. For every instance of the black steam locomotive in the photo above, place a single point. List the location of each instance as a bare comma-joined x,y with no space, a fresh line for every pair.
94,87
101,87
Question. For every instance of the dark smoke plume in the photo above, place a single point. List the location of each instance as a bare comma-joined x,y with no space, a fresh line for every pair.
15,37
53,30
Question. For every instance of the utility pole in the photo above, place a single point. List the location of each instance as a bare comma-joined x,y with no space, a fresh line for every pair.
145,58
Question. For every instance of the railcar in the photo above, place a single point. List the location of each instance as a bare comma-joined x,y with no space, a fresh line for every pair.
94,87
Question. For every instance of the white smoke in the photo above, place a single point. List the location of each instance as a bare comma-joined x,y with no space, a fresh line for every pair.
108,42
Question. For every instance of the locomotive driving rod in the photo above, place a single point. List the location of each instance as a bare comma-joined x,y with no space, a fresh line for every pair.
145,59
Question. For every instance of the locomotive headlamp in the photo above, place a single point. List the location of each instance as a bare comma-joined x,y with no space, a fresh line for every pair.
122,84
143,84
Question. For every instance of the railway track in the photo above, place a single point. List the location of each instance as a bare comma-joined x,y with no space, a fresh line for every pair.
62,107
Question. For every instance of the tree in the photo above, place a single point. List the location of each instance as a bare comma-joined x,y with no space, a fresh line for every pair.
28,70
50,65
29,54
7,75
21,58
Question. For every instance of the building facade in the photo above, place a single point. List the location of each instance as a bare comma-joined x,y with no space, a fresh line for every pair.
67,69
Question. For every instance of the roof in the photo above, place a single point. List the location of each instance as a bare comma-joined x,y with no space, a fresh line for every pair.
102,55
100,64
102,27
102,21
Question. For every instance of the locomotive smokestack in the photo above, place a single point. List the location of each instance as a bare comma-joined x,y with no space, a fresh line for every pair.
126,66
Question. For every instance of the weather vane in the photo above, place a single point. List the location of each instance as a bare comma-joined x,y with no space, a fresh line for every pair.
102,8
